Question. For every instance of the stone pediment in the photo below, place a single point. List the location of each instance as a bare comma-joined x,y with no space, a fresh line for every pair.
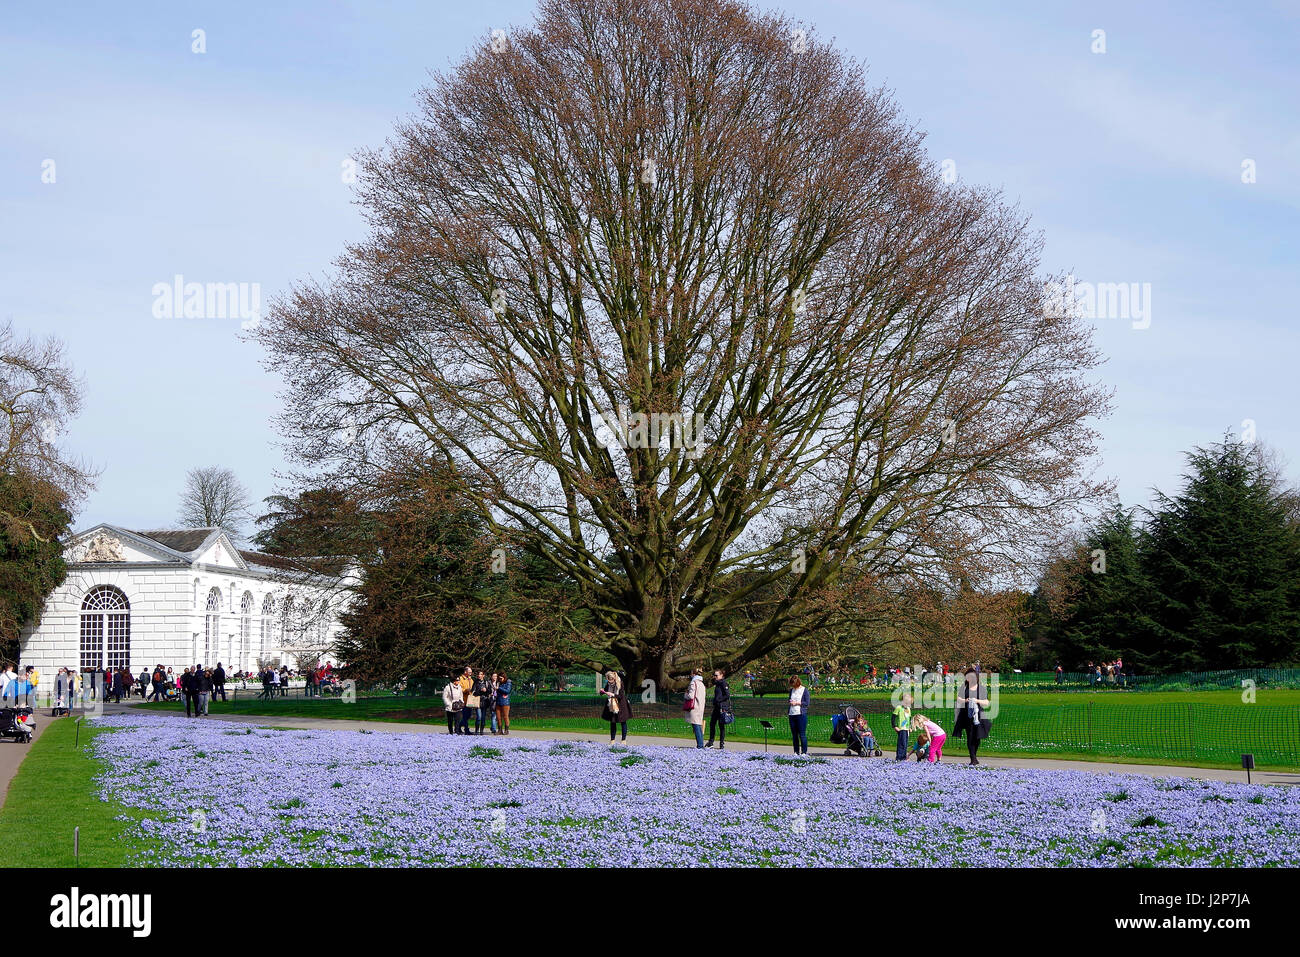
106,544
101,547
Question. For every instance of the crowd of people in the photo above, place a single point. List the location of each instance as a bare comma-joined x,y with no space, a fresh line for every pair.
1105,672
474,695
196,684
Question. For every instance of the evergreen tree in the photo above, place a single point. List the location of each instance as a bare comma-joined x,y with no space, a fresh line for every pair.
1224,561
1092,604
33,517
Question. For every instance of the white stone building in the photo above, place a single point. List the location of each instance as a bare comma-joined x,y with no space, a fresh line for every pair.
178,597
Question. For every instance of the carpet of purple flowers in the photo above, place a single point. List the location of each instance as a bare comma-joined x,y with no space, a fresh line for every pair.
221,793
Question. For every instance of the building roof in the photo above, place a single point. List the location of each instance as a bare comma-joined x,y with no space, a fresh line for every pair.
270,561
180,539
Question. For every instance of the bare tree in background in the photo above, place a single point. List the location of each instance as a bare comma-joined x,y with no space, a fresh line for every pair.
682,208
39,394
215,498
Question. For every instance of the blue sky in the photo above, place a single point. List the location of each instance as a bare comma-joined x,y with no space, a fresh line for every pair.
225,167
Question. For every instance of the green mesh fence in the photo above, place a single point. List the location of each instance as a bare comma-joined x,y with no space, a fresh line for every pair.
1178,681
1164,733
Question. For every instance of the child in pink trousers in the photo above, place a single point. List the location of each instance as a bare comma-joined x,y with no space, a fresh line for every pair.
935,733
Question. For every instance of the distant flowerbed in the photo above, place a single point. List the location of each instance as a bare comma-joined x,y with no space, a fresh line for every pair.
228,794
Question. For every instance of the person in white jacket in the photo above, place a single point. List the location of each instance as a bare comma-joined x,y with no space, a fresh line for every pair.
695,714
7,688
452,702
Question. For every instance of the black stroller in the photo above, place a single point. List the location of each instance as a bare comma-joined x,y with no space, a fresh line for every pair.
844,730
17,723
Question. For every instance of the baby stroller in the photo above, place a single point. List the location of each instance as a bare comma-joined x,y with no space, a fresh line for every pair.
17,723
844,730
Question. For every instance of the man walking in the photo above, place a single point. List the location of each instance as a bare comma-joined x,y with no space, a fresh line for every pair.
219,683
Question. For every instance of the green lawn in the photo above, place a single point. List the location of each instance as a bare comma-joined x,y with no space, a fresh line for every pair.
54,792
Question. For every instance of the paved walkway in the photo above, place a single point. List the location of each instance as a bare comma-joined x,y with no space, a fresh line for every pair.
778,745
12,753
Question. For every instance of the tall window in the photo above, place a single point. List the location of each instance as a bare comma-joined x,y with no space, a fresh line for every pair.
288,627
105,627
245,630
212,627
268,622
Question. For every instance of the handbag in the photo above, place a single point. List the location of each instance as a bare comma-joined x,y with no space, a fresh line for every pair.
474,701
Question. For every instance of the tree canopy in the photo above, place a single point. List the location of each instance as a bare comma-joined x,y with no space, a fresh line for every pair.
690,317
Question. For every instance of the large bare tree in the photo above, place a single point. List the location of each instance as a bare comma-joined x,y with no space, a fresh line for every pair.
215,498
687,211
39,394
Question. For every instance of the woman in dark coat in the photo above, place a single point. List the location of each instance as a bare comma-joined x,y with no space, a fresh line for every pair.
617,711
970,715
721,708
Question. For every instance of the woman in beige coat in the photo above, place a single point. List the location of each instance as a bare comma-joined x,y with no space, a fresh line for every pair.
695,714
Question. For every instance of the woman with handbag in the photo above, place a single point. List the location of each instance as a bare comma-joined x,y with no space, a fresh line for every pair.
721,716
693,706
617,711
481,700
799,701
466,682
970,715
452,703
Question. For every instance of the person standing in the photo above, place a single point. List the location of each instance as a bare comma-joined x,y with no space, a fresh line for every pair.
452,704
901,721
8,687
693,706
61,695
187,689
721,709
617,711
202,690
219,682
970,719
483,701
800,700
492,701
503,703
466,682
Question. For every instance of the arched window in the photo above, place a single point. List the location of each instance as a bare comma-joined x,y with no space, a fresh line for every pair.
212,627
288,626
323,623
268,622
105,627
245,630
